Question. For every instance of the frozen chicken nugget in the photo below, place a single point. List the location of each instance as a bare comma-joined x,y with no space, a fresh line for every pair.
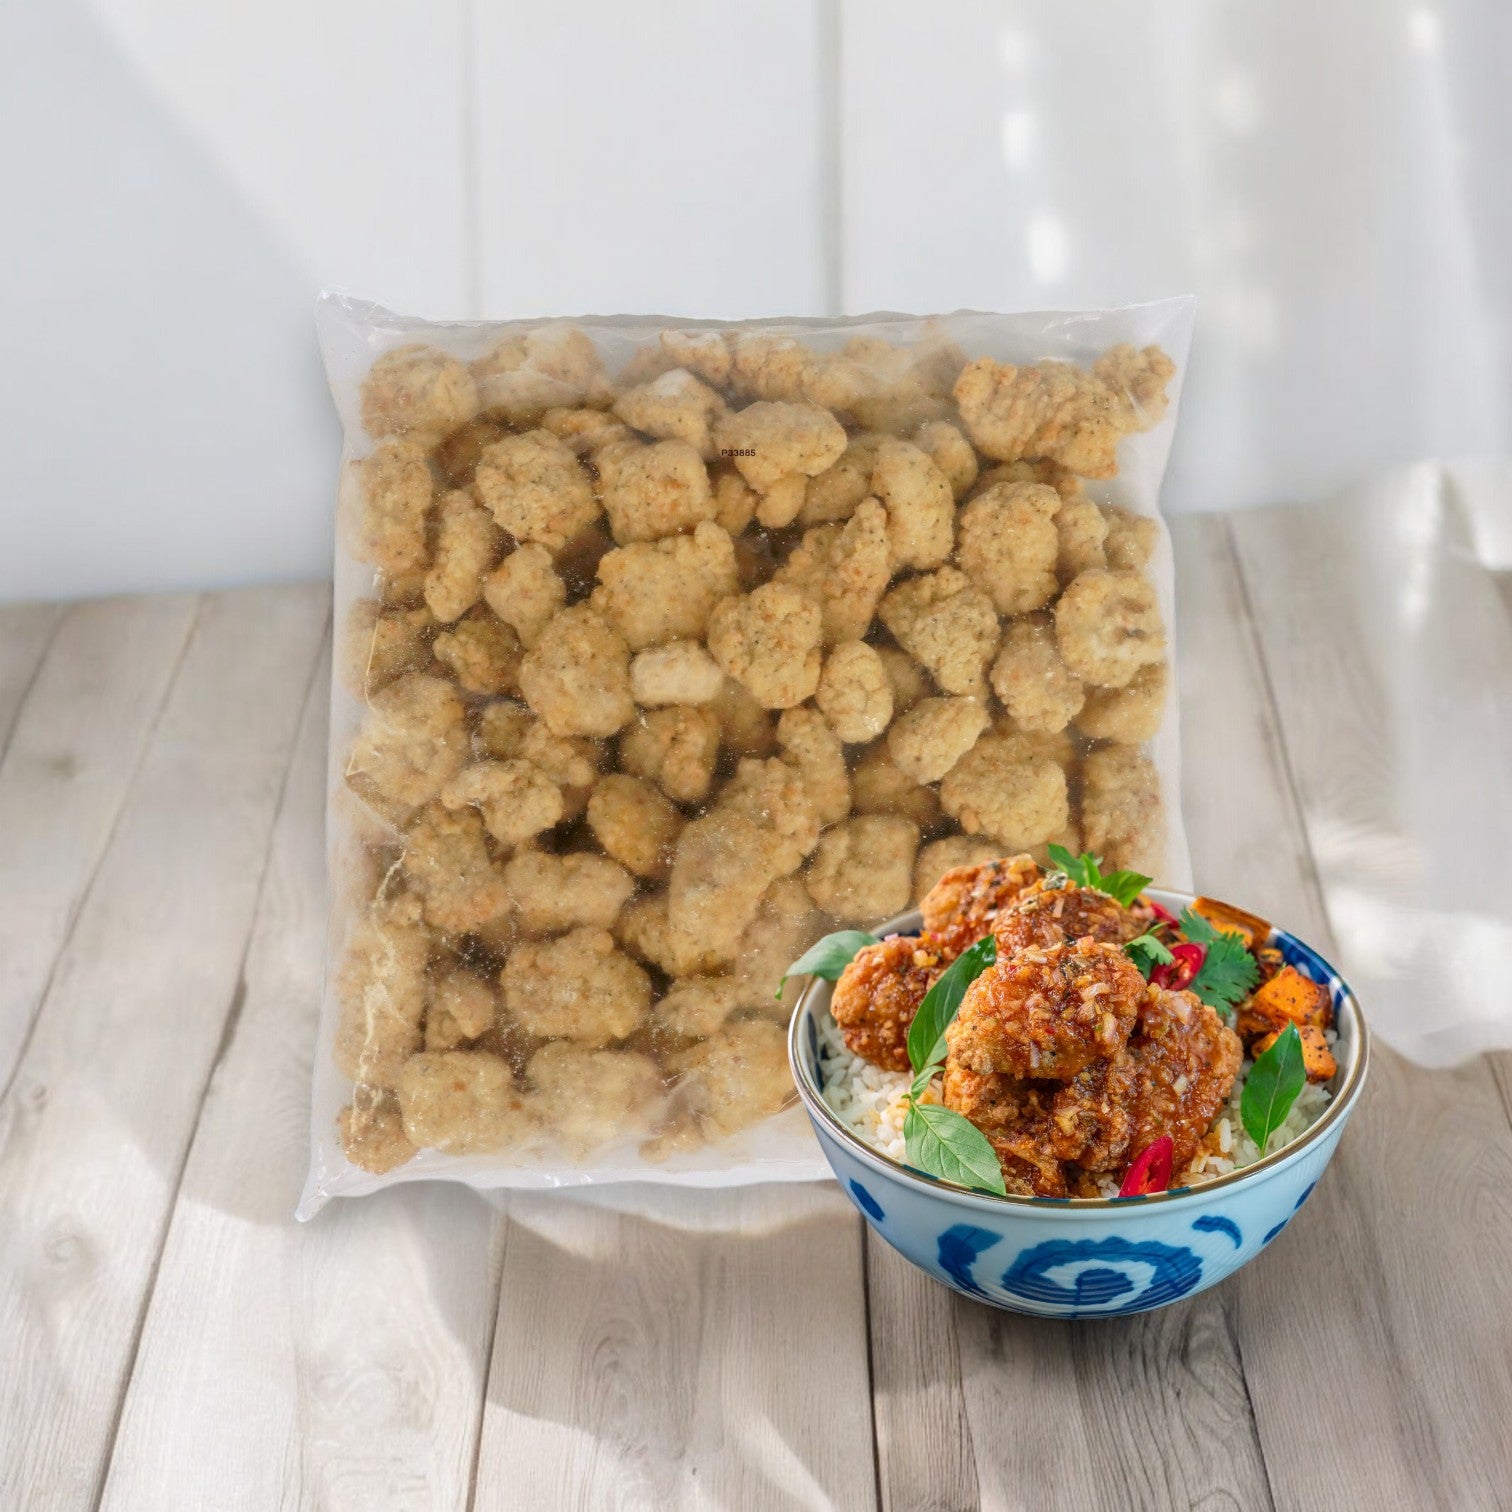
1034,684
769,641
735,500
482,652
928,740
457,455
509,731
775,796
1131,538
863,868
1108,626
517,800
653,491
468,543
769,441
835,493
372,1131
920,506
416,390
746,728
738,1077
909,681
525,591
552,367
536,489
579,986
723,864
463,1102
586,1098
704,353
674,407
646,931
1058,746
782,503
1141,376
576,677
1081,531
1123,818
680,672
844,569
814,750
388,510
413,739
379,645
854,693
879,786
941,856
695,1007
786,924
947,626
447,863
380,990
655,591
553,894
635,824
1009,546
1130,714
950,451
768,366
995,791
585,430
460,1006
675,748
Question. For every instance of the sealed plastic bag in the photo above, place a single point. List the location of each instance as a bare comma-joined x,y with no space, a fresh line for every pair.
666,647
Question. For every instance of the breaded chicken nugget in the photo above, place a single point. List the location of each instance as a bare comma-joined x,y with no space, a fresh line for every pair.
386,505
775,796
696,1007
1131,538
1047,1013
947,626
482,652
1053,910
995,791
928,740
1123,818
553,894
950,451
1081,531
576,677
909,681
635,824
525,591
879,993
723,864
879,786
770,441
863,867
674,407
941,856
460,1006
770,366
653,491
413,739
417,391
578,986
447,863
1108,625
676,748
786,924
463,1102
919,503
747,728
735,500
646,931
814,750
551,367
508,731
536,489
704,353
1034,684
736,1078
381,644
835,493
588,1098
380,991
468,543
844,569
371,1131
966,900
680,672
1130,714
655,591
1009,546
517,800
768,640
854,693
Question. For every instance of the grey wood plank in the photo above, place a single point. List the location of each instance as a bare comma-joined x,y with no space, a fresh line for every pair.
664,1348
337,1364
26,631
1147,1411
77,737
1410,1347
94,1128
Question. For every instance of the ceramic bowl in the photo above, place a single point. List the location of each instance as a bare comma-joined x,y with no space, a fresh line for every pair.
1087,1258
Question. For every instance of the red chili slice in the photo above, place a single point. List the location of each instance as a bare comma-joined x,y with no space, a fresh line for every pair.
1161,912
1183,970
1151,1169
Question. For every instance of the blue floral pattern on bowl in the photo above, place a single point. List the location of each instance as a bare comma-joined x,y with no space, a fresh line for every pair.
1097,1259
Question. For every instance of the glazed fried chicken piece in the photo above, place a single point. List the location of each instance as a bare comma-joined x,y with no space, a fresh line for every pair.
965,903
1050,912
879,993
1048,1013
1016,1117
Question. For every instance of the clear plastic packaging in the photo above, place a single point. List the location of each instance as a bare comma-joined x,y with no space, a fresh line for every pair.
665,647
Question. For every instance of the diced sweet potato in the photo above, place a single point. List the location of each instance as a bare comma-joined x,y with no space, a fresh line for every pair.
1317,1058
1251,927
1289,997
1271,962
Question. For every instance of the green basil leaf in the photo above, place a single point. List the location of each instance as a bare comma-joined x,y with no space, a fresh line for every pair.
1123,886
1147,952
951,1147
922,1080
926,1035
1272,1087
1078,869
828,957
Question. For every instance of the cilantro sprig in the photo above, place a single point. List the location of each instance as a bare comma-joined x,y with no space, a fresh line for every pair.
1147,952
1085,870
1229,972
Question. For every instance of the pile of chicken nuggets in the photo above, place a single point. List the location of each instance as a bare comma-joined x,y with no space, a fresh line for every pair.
666,673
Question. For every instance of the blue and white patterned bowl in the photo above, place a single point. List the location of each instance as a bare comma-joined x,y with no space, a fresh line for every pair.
1090,1258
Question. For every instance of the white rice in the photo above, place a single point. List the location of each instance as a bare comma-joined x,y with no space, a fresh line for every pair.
871,1102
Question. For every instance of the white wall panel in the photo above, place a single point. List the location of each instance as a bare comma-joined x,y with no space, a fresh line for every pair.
664,157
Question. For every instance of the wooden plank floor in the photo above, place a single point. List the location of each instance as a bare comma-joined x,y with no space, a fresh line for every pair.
171,1339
